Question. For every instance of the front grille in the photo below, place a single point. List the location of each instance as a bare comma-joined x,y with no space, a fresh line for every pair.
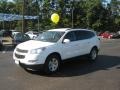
19,56
21,51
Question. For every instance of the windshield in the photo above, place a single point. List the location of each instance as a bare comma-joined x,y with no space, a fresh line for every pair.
50,36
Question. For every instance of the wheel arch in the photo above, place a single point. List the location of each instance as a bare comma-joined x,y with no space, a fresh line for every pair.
95,48
54,53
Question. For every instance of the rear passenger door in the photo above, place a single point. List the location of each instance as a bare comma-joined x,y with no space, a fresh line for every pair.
83,42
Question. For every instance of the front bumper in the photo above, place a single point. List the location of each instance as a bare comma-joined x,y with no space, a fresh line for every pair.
29,59
32,67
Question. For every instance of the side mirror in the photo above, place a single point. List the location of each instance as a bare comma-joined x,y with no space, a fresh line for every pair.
66,41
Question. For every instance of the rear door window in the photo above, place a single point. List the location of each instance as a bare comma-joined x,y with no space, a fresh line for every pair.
70,36
81,35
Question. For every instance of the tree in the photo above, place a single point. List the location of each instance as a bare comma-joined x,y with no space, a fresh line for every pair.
115,8
86,13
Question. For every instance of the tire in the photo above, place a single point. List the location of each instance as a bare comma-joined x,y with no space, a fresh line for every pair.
1,47
52,64
14,45
93,54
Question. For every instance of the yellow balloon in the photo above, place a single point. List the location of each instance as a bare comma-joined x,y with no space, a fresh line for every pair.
55,18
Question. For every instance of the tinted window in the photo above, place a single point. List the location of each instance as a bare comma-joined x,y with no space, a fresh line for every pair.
80,35
36,33
70,36
21,37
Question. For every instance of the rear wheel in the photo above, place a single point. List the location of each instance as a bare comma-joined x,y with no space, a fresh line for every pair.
93,54
52,64
1,47
14,45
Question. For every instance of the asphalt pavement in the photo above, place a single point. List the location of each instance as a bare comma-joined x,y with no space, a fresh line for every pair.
79,74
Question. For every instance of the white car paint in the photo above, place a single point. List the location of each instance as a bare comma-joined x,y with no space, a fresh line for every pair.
66,50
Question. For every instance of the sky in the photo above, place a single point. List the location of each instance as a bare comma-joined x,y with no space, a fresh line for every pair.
10,0
108,1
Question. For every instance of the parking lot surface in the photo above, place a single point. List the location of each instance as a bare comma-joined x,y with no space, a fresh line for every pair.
79,74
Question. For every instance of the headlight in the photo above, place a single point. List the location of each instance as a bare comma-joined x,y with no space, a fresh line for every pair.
37,51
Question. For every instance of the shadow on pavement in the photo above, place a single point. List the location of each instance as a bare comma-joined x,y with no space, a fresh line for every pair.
83,66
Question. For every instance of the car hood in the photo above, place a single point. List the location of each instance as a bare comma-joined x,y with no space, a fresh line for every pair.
33,44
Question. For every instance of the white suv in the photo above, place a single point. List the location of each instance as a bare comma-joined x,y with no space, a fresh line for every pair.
54,46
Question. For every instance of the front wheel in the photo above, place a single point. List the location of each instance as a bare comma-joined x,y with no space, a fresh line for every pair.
1,47
52,64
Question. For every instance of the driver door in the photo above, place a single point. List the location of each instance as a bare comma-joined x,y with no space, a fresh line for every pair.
69,49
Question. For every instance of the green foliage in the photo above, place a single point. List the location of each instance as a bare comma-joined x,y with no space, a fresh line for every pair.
86,14
18,26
